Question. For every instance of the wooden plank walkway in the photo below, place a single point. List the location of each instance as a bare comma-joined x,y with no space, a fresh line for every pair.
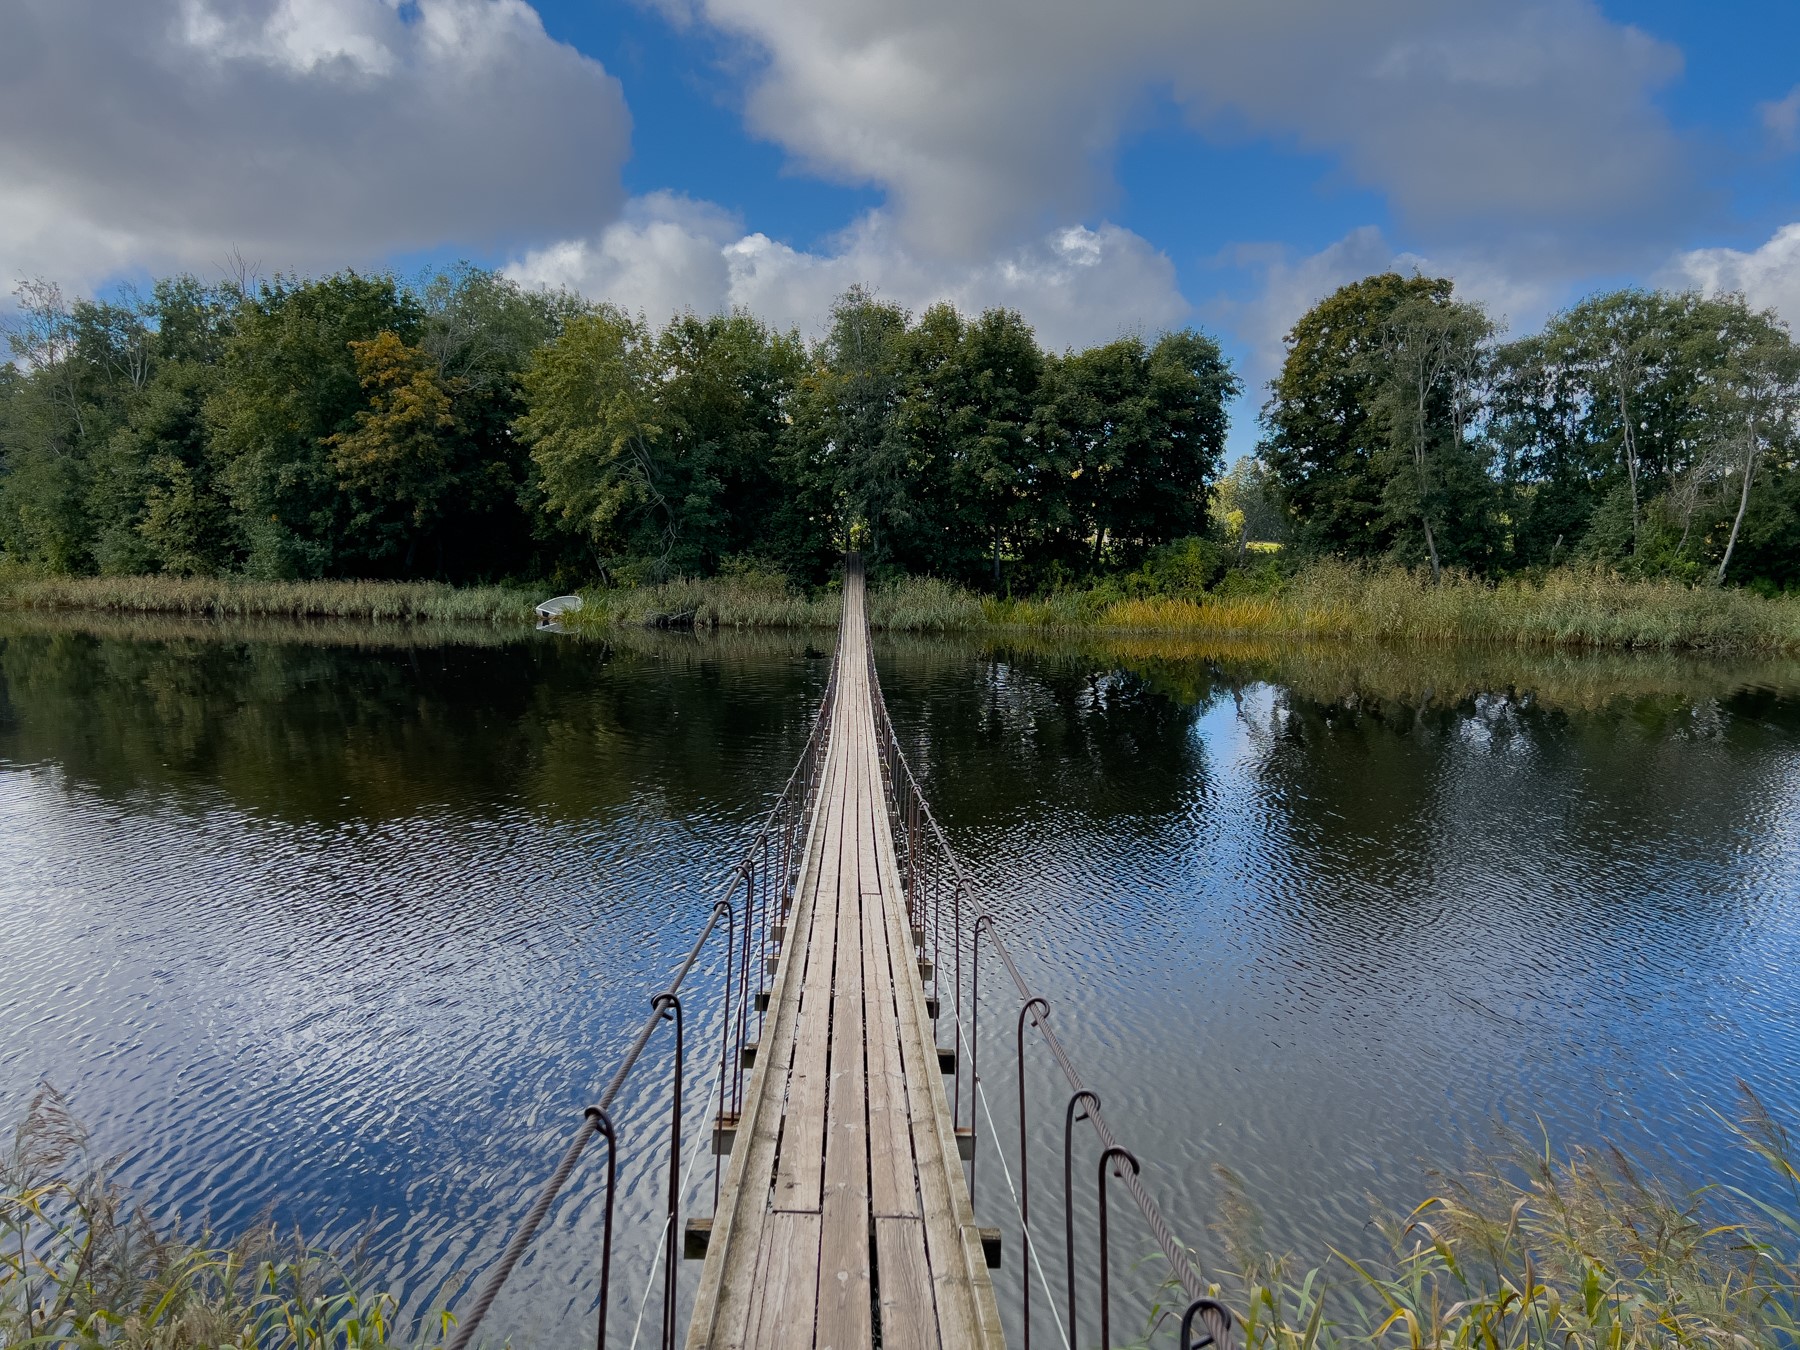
844,1221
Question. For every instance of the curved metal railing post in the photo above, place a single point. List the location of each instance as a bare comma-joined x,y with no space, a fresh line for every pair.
1113,1155
1214,1317
1025,1244
667,1005
905,783
604,1127
987,921
724,910
1069,1118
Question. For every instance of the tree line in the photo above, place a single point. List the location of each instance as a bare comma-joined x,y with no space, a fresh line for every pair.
1650,431
466,428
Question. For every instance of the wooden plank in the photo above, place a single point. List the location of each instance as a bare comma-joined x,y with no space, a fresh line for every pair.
845,1318
786,1283
967,1313
722,1302
893,1175
800,1170
908,1313
845,1175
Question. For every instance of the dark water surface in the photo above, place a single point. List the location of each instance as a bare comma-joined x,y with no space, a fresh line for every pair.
338,924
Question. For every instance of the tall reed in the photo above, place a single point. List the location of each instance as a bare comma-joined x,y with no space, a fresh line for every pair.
81,1265
231,597
1570,607
1583,1251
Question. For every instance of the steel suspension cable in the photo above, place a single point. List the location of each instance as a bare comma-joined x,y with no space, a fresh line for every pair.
1191,1281
547,1195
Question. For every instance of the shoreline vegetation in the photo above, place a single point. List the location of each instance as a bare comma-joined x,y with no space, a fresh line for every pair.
1585,1249
458,427
1569,607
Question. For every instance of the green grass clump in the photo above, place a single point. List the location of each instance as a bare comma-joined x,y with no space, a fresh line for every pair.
749,600
1579,1252
768,600
82,1266
233,597
1569,607
924,605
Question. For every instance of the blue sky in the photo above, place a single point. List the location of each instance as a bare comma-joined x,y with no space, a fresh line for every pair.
1196,197
1105,169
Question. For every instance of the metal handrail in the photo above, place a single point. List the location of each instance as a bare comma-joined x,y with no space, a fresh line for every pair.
771,845
927,849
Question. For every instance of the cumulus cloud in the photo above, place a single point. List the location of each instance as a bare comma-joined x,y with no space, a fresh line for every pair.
984,121
1768,277
1781,119
1516,292
668,254
297,133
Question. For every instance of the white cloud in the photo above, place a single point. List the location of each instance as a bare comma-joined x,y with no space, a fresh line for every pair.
298,133
985,121
1516,290
1769,276
1781,119
665,255
668,254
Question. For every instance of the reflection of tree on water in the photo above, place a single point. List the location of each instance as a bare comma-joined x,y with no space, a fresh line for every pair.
306,730
1415,796
1000,739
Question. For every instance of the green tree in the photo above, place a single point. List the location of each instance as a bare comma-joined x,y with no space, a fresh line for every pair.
395,463
724,394
964,419
1243,507
481,330
1424,375
849,440
290,385
1751,402
158,487
591,424
1324,440
1000,469
1138,433
44,435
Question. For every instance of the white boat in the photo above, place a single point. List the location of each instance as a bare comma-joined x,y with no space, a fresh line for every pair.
558,605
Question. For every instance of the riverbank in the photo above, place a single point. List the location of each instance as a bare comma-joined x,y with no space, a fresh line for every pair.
237,598
1568,608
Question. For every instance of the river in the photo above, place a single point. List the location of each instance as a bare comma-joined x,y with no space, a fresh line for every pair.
345,925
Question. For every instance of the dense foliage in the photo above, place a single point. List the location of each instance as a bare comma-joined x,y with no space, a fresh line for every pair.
466,429
1651,432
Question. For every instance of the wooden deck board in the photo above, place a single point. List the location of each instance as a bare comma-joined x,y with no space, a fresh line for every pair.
844,1216
908,1310
801,1169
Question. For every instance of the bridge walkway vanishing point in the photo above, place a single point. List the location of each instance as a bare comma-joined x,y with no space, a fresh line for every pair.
845,1220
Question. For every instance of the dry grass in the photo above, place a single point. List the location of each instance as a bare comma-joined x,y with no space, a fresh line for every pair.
1568,608
762,600
1579,1252
227,597
1571,607
754,600
82,1266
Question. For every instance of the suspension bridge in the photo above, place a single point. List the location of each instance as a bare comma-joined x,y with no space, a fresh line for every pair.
843,1191
847,1177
